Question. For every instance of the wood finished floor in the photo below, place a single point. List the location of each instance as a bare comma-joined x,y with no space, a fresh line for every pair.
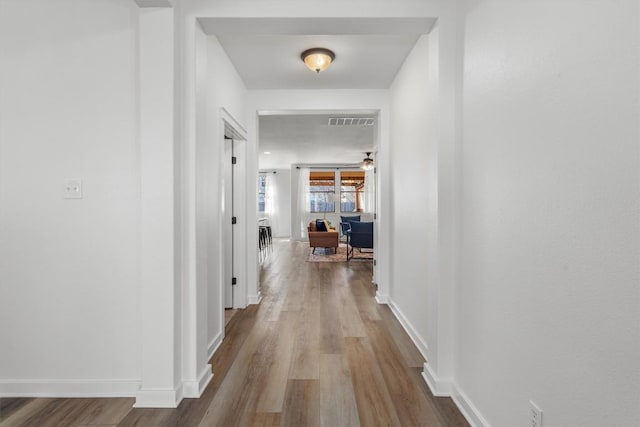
317,351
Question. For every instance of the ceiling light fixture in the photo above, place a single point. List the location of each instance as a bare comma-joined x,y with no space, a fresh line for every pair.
318,58
367,163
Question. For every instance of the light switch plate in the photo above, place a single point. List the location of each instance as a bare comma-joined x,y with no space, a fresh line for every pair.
73,189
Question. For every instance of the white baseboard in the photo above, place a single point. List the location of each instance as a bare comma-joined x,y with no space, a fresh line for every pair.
194,389
438,386
159,398
382,299
411,330
447,388
69,388
214,344
255,299
468,409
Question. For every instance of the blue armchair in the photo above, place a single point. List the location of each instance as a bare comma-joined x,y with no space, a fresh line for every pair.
359,236
344,223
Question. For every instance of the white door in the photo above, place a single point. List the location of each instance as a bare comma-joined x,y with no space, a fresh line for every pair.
228,220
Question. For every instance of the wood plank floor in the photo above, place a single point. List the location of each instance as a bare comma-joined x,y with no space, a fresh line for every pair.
317,351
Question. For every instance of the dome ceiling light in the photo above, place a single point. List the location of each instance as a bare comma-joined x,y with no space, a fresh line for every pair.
318,58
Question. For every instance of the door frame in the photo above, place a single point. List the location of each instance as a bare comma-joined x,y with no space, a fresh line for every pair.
232,128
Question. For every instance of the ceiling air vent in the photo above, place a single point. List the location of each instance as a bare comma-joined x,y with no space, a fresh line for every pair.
351,121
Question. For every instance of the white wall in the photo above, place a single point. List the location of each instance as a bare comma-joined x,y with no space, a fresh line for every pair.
68,268
224,89
424,199
283,180
414,194
548,302
159,308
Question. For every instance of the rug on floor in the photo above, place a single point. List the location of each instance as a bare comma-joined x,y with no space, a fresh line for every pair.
327,255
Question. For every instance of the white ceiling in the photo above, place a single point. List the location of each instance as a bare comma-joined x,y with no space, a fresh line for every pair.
362,61
266,51
308,139
266,54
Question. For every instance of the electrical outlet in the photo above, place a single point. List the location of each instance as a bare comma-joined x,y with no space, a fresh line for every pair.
73,189
535,415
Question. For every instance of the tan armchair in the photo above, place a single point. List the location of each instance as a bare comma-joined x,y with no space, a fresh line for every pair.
322,239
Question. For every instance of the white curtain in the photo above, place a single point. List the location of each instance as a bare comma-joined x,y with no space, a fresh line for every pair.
302,213
271,201
369,191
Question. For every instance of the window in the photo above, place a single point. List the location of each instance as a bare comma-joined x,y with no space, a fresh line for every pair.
351,191
322,190
262,192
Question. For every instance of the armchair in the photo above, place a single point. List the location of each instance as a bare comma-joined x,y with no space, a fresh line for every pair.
360,236
344,223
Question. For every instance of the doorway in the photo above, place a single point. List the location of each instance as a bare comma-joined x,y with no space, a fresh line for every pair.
233,234
334,141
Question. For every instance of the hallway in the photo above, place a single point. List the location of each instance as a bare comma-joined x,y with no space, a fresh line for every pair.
318,350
